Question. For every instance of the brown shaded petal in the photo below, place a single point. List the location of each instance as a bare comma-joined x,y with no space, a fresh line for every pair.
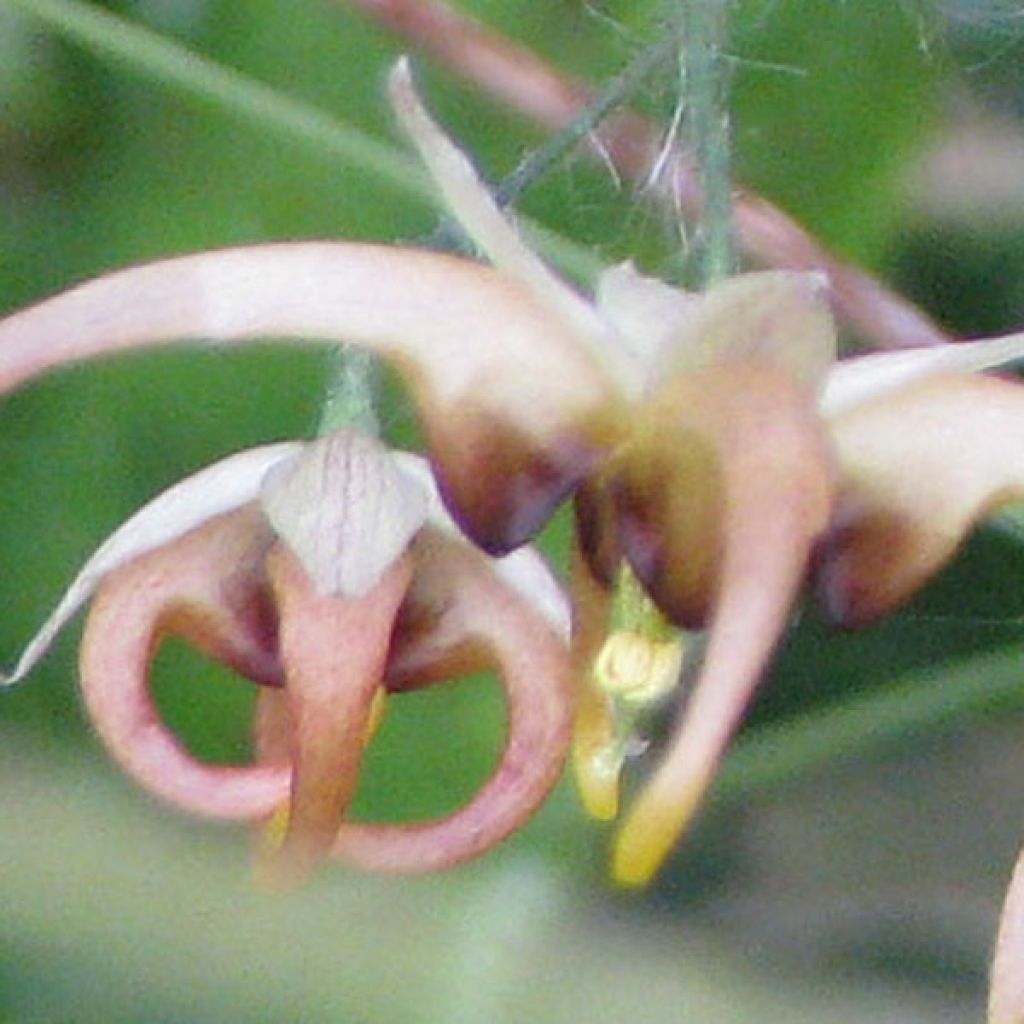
207,587
724,491
333,649
920,467
514,407
457,588
428,648
1006,989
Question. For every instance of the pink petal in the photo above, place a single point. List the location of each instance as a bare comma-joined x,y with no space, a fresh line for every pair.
515,410
1006,992
333,649
456,586
208,587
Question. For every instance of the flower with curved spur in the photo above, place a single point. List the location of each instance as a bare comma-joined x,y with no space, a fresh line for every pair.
717,453
329,573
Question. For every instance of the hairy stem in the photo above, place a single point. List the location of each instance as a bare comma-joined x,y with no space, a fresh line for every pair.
704,91
350,398
518,78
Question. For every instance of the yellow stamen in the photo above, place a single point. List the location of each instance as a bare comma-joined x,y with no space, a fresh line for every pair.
639,663
635,670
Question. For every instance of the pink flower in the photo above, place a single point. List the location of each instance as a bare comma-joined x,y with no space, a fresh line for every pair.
719,456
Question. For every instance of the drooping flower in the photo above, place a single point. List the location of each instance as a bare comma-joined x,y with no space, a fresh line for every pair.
717,452
329,573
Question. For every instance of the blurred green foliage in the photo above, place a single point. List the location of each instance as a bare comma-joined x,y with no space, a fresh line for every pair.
101,165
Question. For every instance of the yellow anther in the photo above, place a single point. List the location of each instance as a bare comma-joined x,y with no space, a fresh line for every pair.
636,670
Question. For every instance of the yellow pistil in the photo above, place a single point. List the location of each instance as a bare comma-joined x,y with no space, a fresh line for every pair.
637,665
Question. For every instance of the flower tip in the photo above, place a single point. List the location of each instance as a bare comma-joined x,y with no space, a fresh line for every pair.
1006,993
597,785
272,867
400,82
651,830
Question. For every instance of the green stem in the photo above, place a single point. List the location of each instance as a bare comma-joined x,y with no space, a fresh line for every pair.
704,80
612,96
350,397
772,756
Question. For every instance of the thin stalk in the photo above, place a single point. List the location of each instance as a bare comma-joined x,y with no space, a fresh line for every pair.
704,80
612,96
350,399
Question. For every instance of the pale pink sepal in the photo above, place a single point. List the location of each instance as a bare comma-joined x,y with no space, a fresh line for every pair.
457,587
1006,989
862,378
345,509
511,435
779,318
218,488
455,320
208,587
648,316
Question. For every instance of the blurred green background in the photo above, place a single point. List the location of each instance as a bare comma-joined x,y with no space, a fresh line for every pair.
851,865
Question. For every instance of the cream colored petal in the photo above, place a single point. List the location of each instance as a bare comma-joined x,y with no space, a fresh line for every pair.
345,509
514,409
919,467
225,485
1006,990
209,588
456,589
722,495
776,317
648,315
862,378
491,228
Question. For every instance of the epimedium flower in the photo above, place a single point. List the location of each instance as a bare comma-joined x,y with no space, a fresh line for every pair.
329,573
718,453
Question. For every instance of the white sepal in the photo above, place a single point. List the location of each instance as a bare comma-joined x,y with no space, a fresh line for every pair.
218,488
345,510
857,380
